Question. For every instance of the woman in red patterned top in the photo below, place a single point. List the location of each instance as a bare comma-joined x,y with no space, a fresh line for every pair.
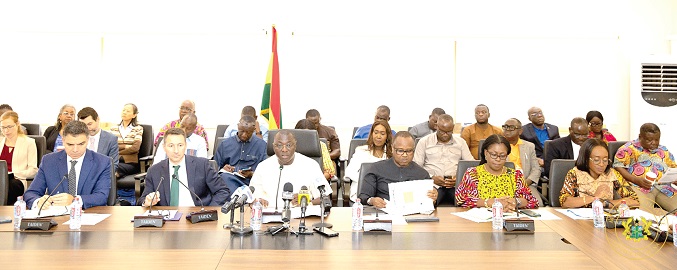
596,121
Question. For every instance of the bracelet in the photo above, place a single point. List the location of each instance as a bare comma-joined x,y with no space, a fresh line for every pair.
486,205
584,203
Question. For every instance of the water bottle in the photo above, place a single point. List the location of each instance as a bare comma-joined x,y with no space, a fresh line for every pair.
674,231
357,215
19,211
497,215
598,213
257,215
76,213
623,210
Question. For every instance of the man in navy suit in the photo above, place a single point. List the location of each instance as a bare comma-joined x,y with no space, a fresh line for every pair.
100,141
84,172
569,146
179,169
538,131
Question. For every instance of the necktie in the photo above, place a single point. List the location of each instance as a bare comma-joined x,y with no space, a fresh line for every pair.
174,189
72,185
91,143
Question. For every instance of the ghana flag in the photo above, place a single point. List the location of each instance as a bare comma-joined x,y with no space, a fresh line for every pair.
270,102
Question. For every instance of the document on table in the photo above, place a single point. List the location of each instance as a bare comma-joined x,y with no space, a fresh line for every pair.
269,214
480,214
53,211
167,215
90,218
577,213
410,197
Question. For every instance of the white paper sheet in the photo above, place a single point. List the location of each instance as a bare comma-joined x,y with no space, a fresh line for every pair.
669,176
410,197
269,214
49,212
577,213
90,219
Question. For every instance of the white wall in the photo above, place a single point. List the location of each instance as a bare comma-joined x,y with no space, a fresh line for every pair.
566,57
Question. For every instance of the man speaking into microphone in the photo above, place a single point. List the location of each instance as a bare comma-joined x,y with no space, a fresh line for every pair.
179,169
286,166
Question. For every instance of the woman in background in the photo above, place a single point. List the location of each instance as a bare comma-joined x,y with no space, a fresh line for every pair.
20,153
54,134
378,147
130,134
596,121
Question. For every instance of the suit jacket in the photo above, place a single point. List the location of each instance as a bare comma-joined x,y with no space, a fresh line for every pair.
93,184
202,179
529,134
560,148
530,167
24,157
51,133
108,146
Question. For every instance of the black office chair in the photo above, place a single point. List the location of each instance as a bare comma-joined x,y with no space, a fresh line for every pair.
354,143
558,170
220,129
307,143
40,144
4,182
543,181
145,156
613,148
113,195
479,147
364,169
32,129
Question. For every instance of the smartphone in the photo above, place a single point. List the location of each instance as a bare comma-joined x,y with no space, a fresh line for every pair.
325,231
5,219
246,169
530,213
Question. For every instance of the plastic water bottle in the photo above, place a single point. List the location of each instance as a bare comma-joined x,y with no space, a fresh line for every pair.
357,215
257,215
19,211
497,215
674,231
76,213
623,210
598,213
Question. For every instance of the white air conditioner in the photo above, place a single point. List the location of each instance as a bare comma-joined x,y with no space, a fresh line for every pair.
653,97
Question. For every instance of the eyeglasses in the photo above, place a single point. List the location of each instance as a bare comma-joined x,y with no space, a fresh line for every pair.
403,151
496,156
68,114
7,127
186,109
280,146
597,161
596,124
510,128
536,114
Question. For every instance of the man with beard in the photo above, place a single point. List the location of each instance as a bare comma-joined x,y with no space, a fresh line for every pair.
472,134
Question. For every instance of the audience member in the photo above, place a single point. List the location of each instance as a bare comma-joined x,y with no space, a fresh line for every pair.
523,155
178,170
195,145
54,134
328,166
378,147
374,190
382,113
596,122
88,173
439,155
429,127
326,132
20,153
642,160
261,128
481,186
538,131
480,130
100,141
567,147
187,107
129,137
593,178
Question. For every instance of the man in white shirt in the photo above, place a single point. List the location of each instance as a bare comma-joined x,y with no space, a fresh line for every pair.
195,144
99,141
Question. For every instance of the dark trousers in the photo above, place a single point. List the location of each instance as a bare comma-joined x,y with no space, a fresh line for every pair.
446,196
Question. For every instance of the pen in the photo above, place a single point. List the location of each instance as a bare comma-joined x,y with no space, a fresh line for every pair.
569,210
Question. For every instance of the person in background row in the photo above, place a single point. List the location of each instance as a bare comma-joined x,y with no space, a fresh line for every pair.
20,153
382,113
596,122
100,141
429,127
261,128
195,146
326,132
538,131
187,106
567,147
327,164
523,155
54,134
129,137
480,130
378,147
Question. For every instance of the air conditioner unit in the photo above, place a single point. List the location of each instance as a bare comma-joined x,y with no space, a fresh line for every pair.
653,96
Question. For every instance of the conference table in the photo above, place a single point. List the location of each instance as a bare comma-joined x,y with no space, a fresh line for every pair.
453,242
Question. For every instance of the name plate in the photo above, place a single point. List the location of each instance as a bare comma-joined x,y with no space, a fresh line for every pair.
200,216
37,224
519,225
149,221
371,225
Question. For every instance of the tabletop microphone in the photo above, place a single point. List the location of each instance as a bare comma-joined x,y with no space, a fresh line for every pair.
278,187
202,215
229,205
41,223
326,201
246,197
65,176
303,200
151,220
658,234
287,196
150,208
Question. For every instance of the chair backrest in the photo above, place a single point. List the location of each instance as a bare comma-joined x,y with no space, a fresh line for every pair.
146,148
4,182
546,145
41,145
218,142
364,169
112,196
32,129
613,148
479,148
214,165
463,166
354,143
307,143
558,170
354,130
220,129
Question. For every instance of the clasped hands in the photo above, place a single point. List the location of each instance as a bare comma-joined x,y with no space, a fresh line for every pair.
61,199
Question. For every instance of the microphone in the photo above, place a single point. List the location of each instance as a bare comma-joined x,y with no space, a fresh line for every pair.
278,187
151,220
202,215
150,208
326,201
65,176
303,199
229,205
41,223
658,234
246,196
287,196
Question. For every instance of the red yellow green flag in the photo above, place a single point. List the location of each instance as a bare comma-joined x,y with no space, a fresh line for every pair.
270,102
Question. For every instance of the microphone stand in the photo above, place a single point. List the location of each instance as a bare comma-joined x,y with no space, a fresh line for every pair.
242,230
232,217
322,206
302,224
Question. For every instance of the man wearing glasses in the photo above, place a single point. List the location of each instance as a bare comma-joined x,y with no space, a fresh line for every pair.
523,155
438,153
187,106
538,131
286,166
569,146
374,190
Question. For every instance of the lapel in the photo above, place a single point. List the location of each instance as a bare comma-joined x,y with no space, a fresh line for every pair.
190,170
62,169
570,149
85,169
531,133
165,191
526,166
552,131
102,142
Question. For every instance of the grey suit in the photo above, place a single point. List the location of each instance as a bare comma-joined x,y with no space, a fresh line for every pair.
530,167
529,134
108,146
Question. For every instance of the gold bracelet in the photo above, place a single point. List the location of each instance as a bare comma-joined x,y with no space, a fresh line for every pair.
486,205
584,203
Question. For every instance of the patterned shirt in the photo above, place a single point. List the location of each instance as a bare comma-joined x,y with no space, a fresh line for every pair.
573,186
199,130
606,136
478,184
639,161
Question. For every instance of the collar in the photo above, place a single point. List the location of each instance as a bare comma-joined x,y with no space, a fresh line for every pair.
181,163
80,159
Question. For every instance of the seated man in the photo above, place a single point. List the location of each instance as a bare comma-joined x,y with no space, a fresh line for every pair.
286,166
328,165
637,158
100,141
240,154
88,173
261,128
538,131
523,155
187,106
399,168
480,130
439,154
326,132
195,146
382,113
569,146
429,127
178,170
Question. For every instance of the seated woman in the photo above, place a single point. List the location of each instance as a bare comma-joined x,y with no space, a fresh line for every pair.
53,134
20,153
378,147
596,121
492,181
327,163
130,134
593,177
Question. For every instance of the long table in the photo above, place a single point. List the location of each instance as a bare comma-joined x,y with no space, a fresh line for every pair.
452,242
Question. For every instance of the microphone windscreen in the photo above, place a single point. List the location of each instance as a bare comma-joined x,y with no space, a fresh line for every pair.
288,187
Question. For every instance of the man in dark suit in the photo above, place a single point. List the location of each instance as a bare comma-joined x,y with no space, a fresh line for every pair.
179,169
569,146
538,131
100,141
84,173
